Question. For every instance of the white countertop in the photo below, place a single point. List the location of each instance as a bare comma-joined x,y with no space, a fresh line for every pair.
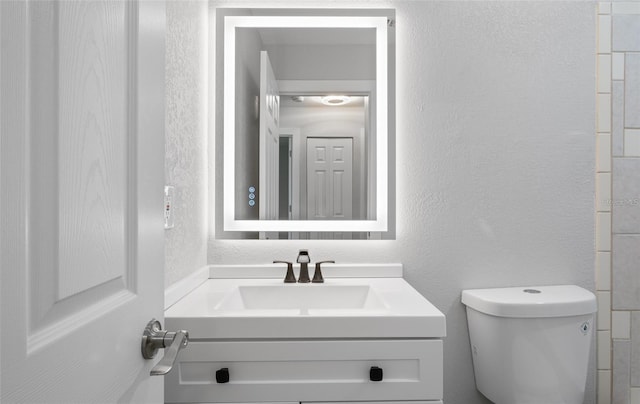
405,313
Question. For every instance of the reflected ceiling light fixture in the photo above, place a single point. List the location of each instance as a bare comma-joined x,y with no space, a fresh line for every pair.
335,100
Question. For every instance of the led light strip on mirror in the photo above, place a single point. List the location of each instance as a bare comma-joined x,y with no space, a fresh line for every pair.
380,223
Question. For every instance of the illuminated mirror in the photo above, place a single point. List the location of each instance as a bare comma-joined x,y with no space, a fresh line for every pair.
305,125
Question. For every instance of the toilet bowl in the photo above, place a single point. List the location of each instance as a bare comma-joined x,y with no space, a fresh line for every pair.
530,345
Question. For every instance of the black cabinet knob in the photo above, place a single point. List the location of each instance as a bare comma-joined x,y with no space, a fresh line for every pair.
375,374
222,375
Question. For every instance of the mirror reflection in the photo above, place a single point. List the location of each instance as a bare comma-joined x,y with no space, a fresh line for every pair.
323,150
305,149
305,145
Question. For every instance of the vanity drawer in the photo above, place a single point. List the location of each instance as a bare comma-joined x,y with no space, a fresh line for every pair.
307,371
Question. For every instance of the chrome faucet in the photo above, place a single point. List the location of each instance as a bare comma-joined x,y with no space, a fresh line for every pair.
304,260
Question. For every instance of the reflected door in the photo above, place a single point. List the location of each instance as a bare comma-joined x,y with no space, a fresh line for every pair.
329,178
269,140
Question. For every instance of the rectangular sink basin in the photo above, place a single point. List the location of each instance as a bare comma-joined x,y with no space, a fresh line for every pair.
306,299
260,308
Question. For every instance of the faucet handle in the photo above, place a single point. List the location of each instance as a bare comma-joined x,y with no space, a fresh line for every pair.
290,277
317,275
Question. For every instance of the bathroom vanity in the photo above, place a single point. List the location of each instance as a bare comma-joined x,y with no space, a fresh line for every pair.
351,338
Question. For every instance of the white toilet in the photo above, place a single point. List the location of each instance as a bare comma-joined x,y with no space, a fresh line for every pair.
530,345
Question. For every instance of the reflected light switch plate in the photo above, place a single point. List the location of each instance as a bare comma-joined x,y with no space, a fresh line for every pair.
169,192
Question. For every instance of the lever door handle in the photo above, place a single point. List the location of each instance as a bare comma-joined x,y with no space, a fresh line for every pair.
179,340
154,338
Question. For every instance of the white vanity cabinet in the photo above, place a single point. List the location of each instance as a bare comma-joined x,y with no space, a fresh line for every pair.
307,370
351,339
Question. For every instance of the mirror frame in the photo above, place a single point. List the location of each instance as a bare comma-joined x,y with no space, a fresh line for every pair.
380,223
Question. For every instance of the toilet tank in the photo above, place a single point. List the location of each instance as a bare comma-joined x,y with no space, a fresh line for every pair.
530,345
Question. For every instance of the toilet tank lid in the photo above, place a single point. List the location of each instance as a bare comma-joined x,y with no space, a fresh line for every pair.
532,301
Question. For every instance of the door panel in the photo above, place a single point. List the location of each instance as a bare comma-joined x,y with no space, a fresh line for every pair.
330,178
82,178
269,140
79,188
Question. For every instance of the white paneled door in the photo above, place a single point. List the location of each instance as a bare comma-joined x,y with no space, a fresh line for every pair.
268,192
269,140
81,174
329,178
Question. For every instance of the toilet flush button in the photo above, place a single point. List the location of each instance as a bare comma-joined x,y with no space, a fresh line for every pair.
533,291
584,328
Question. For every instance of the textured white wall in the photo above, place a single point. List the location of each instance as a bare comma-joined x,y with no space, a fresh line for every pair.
495,154
495,158
186,136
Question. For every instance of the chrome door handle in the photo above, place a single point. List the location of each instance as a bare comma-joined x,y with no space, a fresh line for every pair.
154,338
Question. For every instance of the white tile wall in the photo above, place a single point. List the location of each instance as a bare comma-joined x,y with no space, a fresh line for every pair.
625,273
604,387
603,190
604,310
632,143
625,7
604,7
603,270
604,147
621,324
603,231
625,195
617,72
625,36
620,389
604,34
617,117
632,85
604,112
617,275
604,349
604,73
635,349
